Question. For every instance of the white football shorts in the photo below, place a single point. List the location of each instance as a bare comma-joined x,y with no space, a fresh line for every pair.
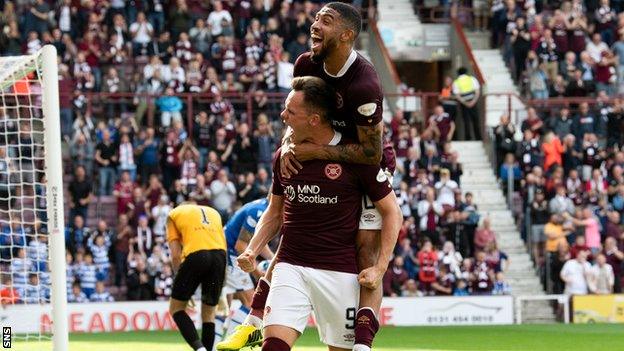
235,279
331,296
370,219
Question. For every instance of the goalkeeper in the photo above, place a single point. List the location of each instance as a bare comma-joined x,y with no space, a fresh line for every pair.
197,241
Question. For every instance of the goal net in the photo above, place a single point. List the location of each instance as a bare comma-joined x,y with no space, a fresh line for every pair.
32,242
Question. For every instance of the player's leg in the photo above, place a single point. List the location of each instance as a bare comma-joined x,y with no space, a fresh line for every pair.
177,309
184,285
334,297
212,283
239,286
287,308
279,338
368,243
253,321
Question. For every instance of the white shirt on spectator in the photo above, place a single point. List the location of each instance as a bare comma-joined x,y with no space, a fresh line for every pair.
574,272
595,51
284,74
446,192
603,279
149,69
423,210
223,195
143,32
215,18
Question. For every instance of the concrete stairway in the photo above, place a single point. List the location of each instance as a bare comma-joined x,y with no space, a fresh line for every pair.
479,179
498,80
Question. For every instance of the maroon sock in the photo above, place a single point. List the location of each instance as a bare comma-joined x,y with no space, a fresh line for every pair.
366,326
259,298
275,344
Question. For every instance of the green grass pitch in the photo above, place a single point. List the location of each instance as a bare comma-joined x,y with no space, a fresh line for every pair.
592,337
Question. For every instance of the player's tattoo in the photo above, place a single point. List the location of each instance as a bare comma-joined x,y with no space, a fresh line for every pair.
368,151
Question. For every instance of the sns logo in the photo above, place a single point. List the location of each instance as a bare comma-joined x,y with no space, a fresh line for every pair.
289,192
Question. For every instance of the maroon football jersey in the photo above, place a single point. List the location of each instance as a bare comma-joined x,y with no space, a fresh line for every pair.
359,96
322,207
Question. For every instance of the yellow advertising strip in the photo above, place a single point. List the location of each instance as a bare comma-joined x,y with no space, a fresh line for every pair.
598,308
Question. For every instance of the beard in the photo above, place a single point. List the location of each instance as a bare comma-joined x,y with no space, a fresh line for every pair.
326,49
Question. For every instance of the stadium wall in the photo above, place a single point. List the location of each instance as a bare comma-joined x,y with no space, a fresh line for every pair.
154,315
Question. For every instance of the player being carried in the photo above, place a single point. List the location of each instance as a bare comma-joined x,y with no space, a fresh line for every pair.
318,210
359,118
197,242
238,232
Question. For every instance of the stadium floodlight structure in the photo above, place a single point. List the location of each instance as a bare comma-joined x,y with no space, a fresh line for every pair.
31,189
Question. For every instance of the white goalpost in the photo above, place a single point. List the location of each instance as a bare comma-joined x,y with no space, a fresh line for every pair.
32,229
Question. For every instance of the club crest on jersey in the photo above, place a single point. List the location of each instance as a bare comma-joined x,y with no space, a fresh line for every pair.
289,191
333,171
339,101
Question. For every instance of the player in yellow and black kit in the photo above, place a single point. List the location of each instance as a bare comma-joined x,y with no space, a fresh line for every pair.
197,241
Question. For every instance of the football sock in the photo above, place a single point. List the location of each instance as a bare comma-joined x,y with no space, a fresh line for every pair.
208,335
275,344
236,318
366,326
253,320
219,321
188,331
260,296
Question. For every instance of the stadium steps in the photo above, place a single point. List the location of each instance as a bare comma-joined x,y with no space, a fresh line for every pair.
481,182
479,179
498,80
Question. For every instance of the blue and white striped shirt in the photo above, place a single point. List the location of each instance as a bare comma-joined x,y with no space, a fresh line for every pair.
87,274
100,253
20,268
103,297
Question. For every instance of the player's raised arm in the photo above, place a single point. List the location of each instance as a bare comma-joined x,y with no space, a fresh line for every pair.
267,228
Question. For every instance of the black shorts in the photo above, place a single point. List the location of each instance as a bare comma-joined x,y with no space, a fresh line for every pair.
205,267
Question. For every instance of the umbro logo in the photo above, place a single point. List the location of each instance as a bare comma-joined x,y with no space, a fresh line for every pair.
363,320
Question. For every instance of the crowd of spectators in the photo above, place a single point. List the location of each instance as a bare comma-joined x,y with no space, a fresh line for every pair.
442,248
146,167
562,48
567,167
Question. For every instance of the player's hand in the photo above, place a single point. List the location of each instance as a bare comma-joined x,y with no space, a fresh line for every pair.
247,261
289,165
371,277
305,151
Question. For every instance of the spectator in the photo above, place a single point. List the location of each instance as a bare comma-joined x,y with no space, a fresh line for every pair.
76,235
429,212
140,283
123,192
501,287
482,275
442,125
553,149
427,273
467,90
8,294
147,151
556,233
106,158
100,294
159,215
614,257
223,194
126,157
163,283
141,32
217,18
170,107
484,236
575,274
285,72
603,278
122,247
410,289
395,278
80,193
77,296
87,274
99,247
82,153
592,229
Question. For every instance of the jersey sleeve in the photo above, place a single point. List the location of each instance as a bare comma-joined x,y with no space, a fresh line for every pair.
374,181
367,98
172,231
277,188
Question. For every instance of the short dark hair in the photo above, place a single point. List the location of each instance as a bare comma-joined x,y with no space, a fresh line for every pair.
350,16
461,70
319,96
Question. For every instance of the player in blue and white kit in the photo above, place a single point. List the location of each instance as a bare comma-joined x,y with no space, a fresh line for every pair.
238,232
